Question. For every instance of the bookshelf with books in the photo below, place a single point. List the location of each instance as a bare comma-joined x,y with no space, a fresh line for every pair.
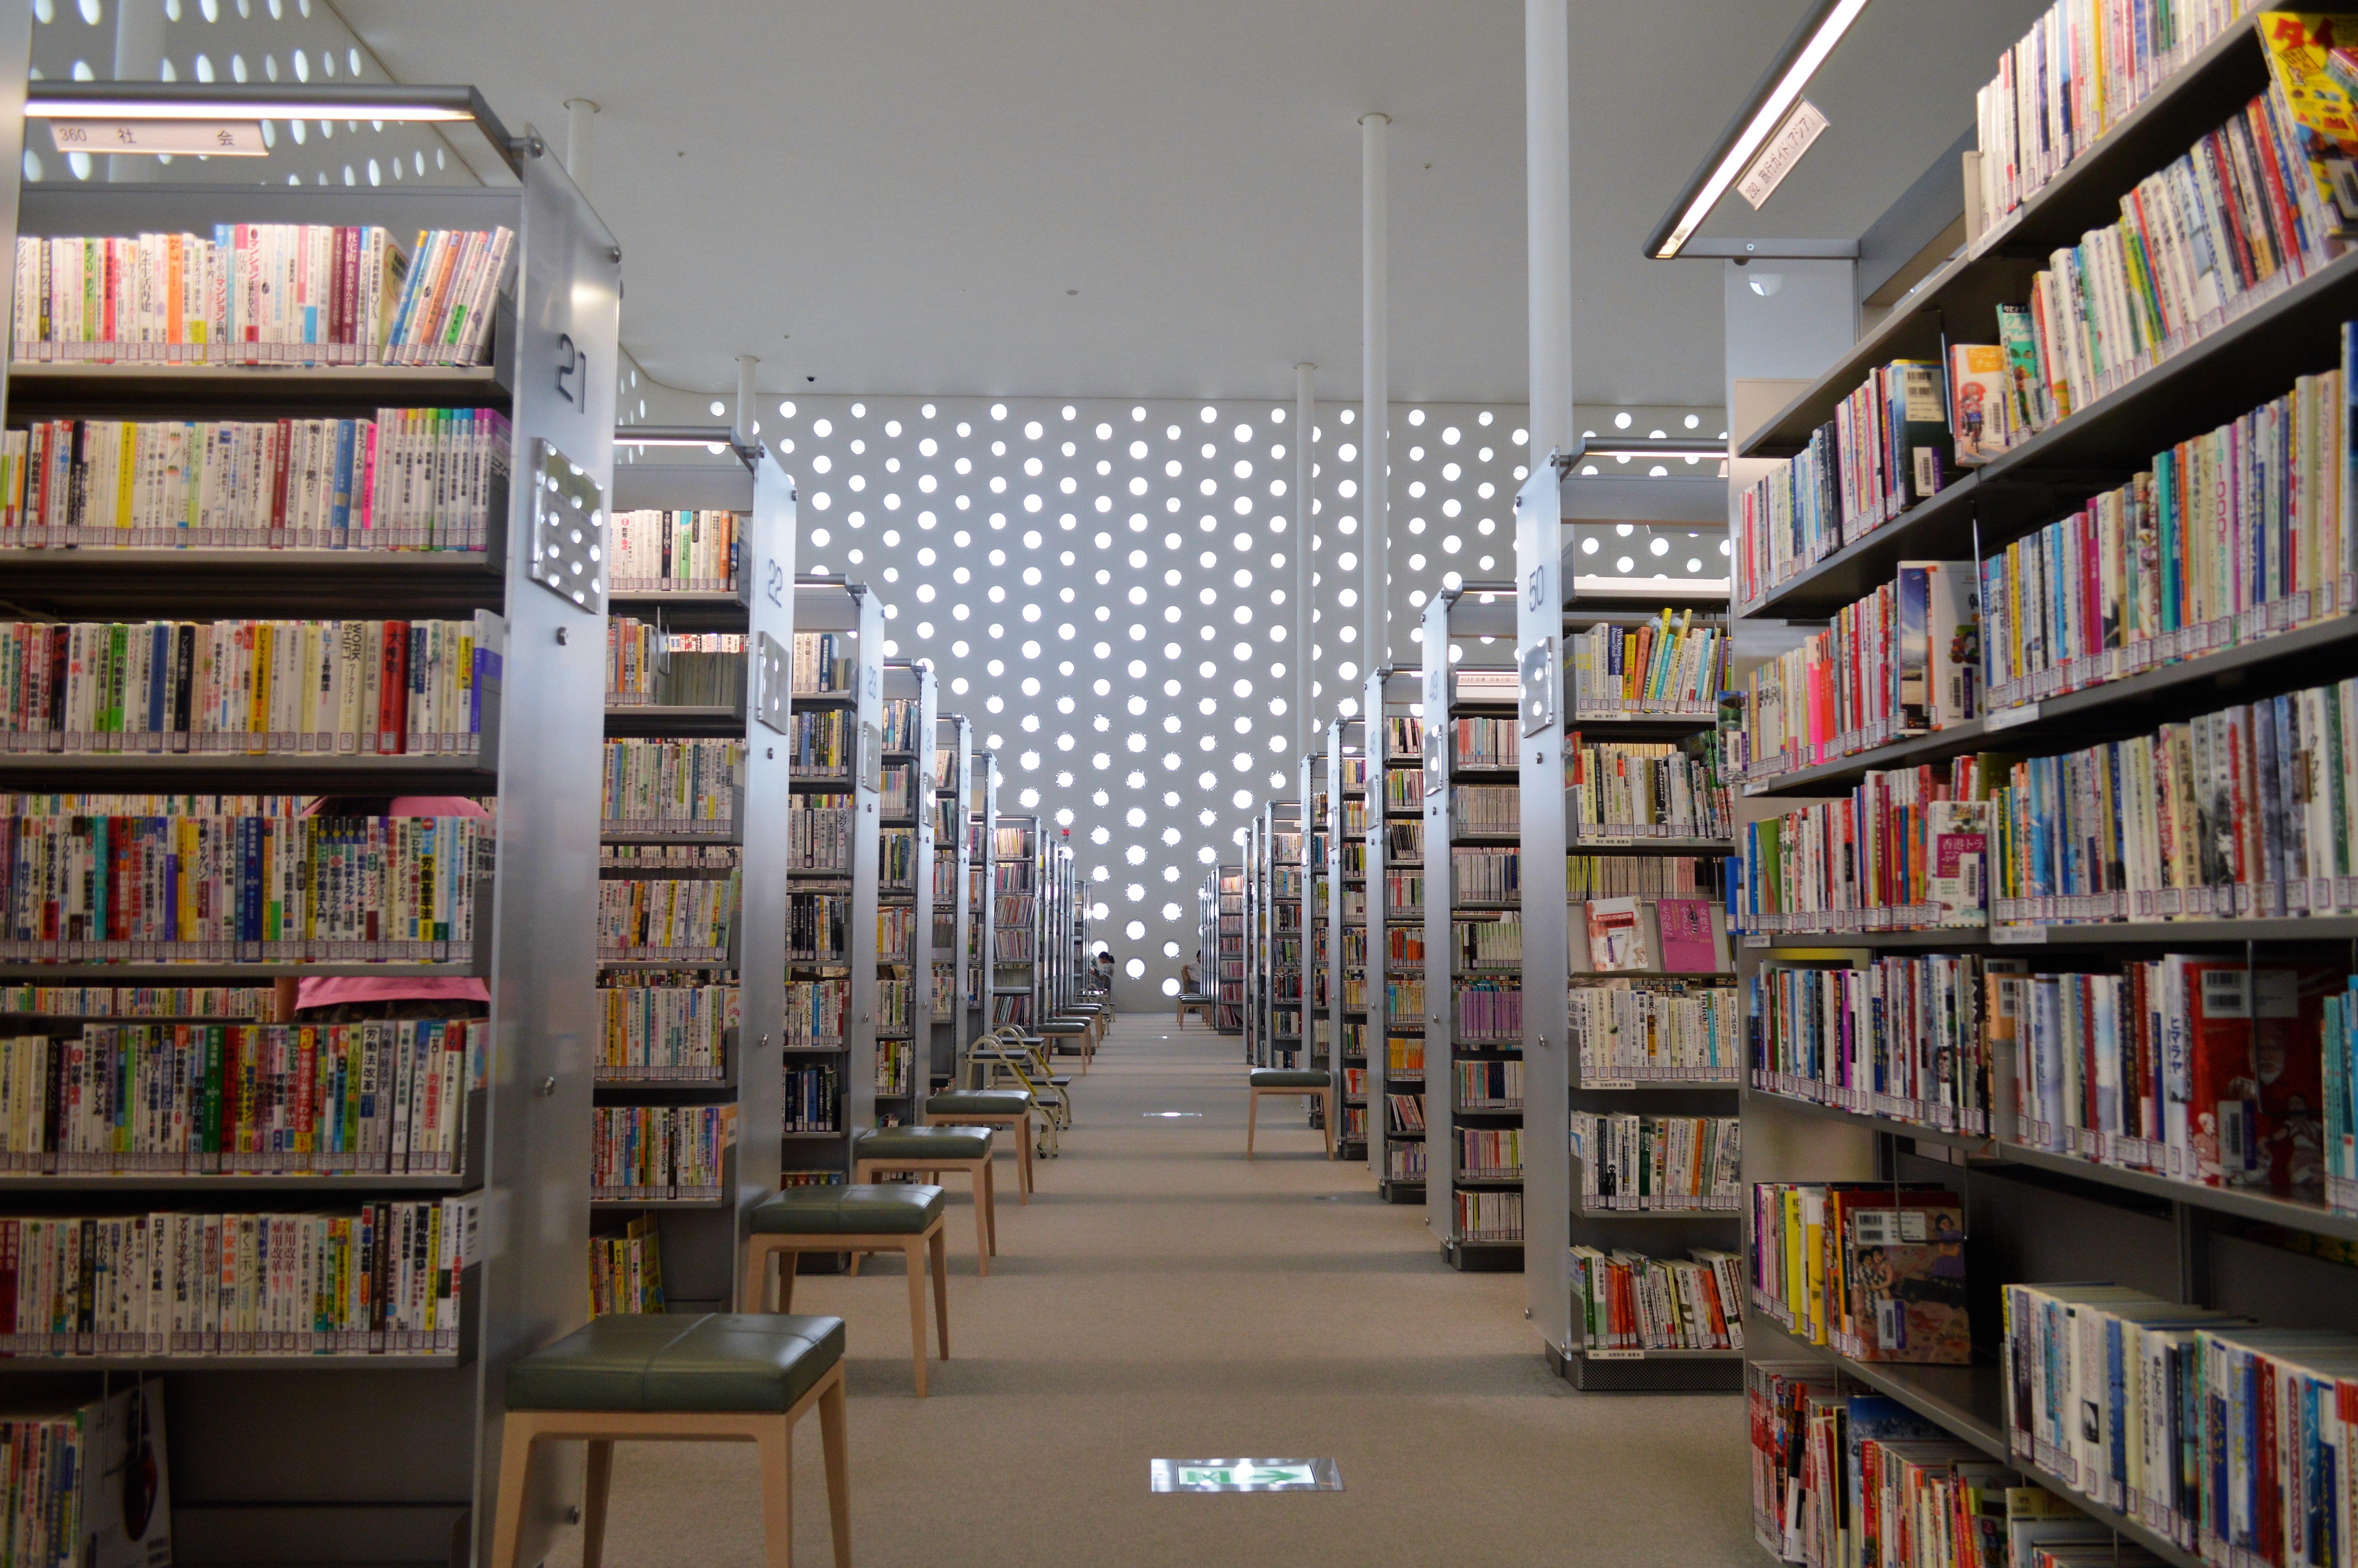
1633,1165
982,907
1473,1020
953,914
905,891
1276,905
1016,924
1343,937
1392,925
2107,933
497,699
693,822
1228,958
1318,1020
834,746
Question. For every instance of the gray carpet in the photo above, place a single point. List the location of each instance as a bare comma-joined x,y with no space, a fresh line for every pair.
1162,1298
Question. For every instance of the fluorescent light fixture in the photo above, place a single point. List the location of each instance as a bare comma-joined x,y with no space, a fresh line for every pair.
117,102
1771,100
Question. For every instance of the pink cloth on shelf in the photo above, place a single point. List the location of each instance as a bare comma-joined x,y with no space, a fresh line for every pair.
328,990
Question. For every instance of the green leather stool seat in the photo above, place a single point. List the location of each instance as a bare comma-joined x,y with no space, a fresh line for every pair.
676,1363
868,1209
978,1102
1066,1026
1288,1079
919,1144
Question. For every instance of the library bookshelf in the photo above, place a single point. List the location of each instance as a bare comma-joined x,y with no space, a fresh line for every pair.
1343,937
2083,1194
982,904
1392,925
1473,1034
953,911
904,893
288,1484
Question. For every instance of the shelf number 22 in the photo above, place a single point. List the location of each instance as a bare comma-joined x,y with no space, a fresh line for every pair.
773,581
571,362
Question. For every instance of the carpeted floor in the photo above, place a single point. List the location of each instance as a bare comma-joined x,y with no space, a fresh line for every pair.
1162,1298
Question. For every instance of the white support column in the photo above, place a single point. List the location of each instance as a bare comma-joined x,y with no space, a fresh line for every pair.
580,117
1304,530
138,57
745,410
1547,163
1375,392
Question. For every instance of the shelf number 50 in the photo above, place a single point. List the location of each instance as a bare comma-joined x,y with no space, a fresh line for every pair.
571,362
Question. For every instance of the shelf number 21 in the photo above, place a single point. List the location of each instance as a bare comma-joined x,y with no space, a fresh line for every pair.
571,362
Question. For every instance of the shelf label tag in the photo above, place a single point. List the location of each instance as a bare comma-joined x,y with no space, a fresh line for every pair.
213,138
2018,935
2009,718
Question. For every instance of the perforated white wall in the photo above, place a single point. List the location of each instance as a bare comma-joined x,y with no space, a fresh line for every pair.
1105,586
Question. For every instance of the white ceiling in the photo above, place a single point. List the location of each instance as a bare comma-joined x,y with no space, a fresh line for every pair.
895,196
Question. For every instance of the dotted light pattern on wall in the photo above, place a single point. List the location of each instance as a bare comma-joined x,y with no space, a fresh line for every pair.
290,42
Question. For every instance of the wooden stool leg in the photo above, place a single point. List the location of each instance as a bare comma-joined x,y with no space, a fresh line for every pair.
976,1176
776,1444
837,1451
1253,1119
1326,1101
754,1293
916,1252
594,1489
990,1204
1023,1155
515,1471
938,1245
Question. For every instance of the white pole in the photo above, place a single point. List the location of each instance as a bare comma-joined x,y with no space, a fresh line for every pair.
580,114
1547,162
1375,393
138,57
1305,732
745,410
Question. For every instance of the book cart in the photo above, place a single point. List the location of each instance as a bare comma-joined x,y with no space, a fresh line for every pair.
836,702
904,893
1016,929
1564,831
283,1456
2076,1199
953,910
1343,934
982,905
1393,929
1228,958
701,1220
1473,1033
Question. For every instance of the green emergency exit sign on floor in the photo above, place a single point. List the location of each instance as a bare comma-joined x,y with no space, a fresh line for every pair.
1243,1476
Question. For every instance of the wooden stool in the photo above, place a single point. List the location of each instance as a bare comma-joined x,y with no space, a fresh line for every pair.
893,1217
929,1151
1305,1083
1201,1006
720,1378
1009,1109
1077,1033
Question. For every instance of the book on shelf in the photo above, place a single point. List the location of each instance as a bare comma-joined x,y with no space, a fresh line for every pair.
671,786
626,1269
1484,685
1477,875
95,1484
819,832
273,294
1490,809
2108,1391
246,889
1481,944
248,688
818,928
1874,1271
1404,1162
659,1152
1921,1039
1488,1085
1667,1164
1626,1303
1641,1030
1488,1012
1693,940
383,1098
1905,848
1407,1113
1626,790
1638,876
1666,666
405,479
813,1092
238,1004
381,1278
1490,1217
1489,1154
2225,537
647,667
674,552
663,1033
825,663
1616,936
690,920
